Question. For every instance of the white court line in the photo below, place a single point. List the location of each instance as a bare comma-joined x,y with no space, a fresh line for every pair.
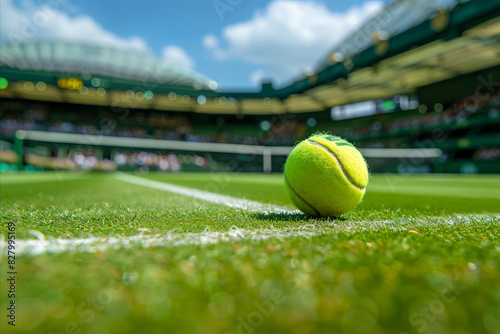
232,202
100,244
172,239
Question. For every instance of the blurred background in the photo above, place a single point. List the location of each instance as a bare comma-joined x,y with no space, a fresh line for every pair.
233,85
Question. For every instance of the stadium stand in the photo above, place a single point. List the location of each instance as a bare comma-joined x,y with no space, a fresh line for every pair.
466,130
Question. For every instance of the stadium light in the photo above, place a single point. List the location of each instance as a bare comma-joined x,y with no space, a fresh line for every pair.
441,20
379,36
41,86
307,71
336,57
29,86
100,91
201,99
3,83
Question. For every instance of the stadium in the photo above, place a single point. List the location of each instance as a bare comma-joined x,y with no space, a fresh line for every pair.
140,195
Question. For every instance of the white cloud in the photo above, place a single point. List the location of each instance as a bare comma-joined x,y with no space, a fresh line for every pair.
210,41
257,76
51,22
177,55
290,35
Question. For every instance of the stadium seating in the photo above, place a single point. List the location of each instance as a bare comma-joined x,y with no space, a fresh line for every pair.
465,130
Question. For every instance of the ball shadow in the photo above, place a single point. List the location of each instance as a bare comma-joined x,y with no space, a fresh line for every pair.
295,216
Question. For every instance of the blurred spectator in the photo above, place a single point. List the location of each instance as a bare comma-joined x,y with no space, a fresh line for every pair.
487,153
175,126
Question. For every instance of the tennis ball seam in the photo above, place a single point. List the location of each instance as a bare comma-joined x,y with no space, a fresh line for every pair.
337,141
302,198
334,156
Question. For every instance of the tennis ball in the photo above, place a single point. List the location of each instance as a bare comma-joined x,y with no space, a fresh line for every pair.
325,176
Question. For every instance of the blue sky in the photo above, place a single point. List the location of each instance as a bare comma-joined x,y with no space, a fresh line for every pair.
234,42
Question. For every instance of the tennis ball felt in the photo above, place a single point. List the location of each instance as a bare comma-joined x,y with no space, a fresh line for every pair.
325,176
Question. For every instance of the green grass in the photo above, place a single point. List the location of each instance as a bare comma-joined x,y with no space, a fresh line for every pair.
420,254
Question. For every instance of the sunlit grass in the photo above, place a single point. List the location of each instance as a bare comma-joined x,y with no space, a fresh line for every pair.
420,254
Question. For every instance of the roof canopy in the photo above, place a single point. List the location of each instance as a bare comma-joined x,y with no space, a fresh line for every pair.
84,58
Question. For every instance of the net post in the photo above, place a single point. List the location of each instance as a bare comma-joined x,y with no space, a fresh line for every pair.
267,158
19,148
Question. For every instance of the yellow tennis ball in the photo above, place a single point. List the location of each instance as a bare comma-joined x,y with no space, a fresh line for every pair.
325,176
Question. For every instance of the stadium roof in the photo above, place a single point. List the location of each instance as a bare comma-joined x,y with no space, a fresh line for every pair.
396,17
446,45
84,58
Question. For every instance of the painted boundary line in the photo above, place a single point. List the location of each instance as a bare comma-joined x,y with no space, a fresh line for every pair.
92,244
232,202
142,240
